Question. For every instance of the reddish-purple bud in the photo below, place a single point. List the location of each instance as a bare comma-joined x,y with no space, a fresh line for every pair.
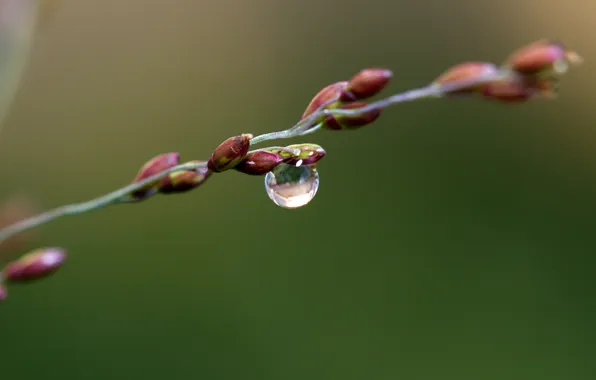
328,96
3,293
466,72
229,153
35,265
303,154
518,90
507,92
352,122
183,181
366,83
542,57
154,166
259,163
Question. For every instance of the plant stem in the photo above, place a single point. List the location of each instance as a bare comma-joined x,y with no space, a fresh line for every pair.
305,126
296,130
308,131
94,204
312,123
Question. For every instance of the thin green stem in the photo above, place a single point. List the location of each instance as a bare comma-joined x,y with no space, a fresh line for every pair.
114,197
312,129
428,92
309,124
296,130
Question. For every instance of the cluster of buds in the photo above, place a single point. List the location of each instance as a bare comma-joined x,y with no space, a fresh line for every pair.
31,267
175,182
350,95
234,154
263,161
530,72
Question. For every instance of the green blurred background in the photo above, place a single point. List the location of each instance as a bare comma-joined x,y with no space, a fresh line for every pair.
450,240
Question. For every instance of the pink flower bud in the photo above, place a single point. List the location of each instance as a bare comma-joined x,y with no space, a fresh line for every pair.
366,83
329,94
183,181
35,265
259,163
508,91
518,89
464,72
352,122
3,293
229,153
305,154
154,166
542,57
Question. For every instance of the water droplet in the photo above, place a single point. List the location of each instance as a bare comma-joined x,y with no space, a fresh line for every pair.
291,186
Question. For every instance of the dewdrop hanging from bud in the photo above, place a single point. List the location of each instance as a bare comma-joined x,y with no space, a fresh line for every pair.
292,186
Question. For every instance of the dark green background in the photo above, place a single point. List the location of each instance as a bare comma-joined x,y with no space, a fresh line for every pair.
450,240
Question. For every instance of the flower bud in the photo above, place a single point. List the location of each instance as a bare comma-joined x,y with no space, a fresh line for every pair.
35,265
185,180
351,122
366,83
229,153
306,154
154,166
329,95
3,293
259,163
517,90
507,91
542,57
466,72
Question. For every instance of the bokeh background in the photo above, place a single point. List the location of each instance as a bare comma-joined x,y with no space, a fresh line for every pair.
450,240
